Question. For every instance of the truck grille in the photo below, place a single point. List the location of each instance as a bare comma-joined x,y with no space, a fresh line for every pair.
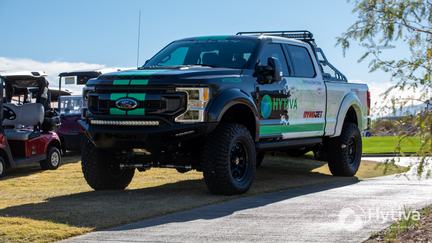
167,104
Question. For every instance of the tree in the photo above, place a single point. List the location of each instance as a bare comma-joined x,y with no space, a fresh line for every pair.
383,25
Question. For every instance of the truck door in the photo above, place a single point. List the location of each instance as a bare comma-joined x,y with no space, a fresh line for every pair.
307,95
271,97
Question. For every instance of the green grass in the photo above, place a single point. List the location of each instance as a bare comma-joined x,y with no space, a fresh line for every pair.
389,144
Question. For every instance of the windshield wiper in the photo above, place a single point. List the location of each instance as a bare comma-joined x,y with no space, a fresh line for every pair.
204,65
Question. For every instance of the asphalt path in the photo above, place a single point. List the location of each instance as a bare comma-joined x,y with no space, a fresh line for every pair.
346,211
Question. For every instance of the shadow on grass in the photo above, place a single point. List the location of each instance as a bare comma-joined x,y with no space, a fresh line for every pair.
102,209
34,168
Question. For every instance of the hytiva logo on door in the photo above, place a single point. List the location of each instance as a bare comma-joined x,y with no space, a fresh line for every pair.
269,105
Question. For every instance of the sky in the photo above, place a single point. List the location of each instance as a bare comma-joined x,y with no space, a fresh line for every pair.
67,35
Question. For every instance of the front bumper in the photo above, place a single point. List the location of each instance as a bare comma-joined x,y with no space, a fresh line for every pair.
148,137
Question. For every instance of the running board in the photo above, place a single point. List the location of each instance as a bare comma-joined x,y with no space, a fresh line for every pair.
274,145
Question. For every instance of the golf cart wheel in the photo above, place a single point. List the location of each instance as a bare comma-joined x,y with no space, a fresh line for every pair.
102,171
259,159
53,159
229,160
2,167
344,154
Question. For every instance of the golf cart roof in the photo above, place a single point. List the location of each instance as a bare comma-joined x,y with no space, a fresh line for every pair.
24,79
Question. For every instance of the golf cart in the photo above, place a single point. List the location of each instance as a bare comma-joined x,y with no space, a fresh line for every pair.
70,103
28,122
70,132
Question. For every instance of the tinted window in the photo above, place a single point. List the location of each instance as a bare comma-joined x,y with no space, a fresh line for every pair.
274,50
230,53
301,61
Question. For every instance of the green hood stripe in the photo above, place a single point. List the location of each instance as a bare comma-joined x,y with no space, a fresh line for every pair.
121,82
278,129
139,82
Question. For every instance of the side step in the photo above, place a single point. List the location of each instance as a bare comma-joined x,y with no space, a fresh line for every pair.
275,145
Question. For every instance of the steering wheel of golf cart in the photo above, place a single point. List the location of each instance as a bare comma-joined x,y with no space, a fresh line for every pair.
8,113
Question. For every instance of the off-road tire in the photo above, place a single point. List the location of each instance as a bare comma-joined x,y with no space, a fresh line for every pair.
2,167
53,159
101,170
259,159
217,160
342,160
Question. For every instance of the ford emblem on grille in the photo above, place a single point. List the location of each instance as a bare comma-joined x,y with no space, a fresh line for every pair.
126,104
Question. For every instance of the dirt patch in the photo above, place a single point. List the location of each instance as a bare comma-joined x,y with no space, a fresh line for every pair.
418,231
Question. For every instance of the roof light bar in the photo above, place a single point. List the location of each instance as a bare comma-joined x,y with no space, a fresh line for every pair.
124,123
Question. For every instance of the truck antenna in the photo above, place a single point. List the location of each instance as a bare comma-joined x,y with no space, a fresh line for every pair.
139,35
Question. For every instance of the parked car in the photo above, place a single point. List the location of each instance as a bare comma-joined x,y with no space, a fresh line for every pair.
217,104
27,136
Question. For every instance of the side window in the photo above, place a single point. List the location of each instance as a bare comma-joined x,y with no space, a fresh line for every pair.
301,61
274,50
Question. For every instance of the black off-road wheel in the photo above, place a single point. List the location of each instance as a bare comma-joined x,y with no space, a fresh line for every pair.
2,167
102,171
229,160
259,159
344,152
53,160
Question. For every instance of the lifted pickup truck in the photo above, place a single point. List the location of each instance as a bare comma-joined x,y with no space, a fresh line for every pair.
217,104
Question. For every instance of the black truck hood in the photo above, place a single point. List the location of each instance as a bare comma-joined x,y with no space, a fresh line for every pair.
170,76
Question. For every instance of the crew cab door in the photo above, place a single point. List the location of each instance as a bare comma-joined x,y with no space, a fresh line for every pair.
271,97
307,91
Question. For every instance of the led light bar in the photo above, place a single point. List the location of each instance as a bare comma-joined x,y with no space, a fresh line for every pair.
124,123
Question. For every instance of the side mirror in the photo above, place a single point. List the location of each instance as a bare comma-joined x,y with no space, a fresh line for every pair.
269,73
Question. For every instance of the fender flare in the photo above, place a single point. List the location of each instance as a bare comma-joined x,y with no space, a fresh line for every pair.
227,99
350,100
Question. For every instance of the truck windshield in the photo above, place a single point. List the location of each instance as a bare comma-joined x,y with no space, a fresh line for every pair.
70,105
213,53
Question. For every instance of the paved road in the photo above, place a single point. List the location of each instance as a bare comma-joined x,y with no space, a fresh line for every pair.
346,211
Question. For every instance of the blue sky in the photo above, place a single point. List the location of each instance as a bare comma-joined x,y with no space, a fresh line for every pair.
105,32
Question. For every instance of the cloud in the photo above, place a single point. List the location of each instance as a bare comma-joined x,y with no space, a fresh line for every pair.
52,69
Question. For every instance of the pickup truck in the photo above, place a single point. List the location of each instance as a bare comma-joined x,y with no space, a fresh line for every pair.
217,104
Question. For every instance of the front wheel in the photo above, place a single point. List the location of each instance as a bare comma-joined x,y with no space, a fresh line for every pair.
101,171
229,159
53,159
344,152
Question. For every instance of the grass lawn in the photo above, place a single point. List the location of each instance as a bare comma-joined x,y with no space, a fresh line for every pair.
388,144
45,206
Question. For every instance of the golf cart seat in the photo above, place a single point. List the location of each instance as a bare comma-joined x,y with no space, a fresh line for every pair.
20,120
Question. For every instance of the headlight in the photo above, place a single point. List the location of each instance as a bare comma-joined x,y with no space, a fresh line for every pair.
197,99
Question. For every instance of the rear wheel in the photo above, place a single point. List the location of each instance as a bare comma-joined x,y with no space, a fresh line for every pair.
53,159
344,152
229,160
2,167
102,171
